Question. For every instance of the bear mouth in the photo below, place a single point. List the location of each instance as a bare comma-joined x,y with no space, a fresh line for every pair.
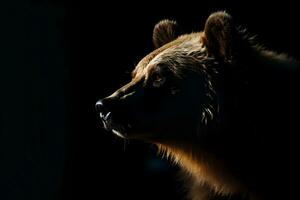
109,125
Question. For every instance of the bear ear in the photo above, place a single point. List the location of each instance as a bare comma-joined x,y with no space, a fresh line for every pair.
220,35
164,32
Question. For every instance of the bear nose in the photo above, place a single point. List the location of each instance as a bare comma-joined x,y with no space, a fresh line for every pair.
99,106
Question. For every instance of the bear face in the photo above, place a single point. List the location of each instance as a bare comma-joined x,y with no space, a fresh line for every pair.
172,90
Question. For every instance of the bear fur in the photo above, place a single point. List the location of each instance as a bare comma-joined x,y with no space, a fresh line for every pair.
219,105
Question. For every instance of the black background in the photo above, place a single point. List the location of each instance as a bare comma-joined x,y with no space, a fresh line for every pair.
59,57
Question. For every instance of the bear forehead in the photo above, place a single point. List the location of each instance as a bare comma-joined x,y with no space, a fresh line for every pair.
176,52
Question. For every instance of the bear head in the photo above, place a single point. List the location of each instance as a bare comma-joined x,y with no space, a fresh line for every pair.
177,88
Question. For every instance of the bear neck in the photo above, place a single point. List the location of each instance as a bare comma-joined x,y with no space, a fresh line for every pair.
201,166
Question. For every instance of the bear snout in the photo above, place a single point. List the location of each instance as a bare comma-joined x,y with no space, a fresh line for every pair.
109,118
105,114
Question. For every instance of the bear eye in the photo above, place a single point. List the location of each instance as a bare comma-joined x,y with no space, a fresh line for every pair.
158,80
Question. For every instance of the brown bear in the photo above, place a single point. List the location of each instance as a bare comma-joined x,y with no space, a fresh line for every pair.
221,106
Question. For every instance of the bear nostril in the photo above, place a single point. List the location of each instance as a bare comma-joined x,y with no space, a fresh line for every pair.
99,106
